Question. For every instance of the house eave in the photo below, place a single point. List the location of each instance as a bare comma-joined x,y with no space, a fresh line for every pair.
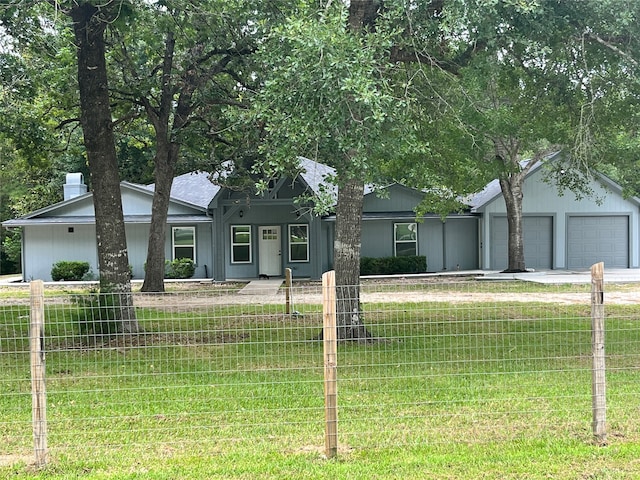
407,216
90,220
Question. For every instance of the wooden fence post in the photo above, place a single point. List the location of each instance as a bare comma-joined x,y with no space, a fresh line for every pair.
287,290
38,386
330,339
598,380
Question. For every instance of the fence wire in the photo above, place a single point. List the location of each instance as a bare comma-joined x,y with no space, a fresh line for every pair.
212,370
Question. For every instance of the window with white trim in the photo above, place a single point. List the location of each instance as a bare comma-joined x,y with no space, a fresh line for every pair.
183,241
405,239
241,244
299,243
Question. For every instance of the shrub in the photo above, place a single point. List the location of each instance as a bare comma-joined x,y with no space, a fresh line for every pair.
69,270
393,265
97,314
180,268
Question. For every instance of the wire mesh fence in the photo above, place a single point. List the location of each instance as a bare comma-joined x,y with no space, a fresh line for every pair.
211,370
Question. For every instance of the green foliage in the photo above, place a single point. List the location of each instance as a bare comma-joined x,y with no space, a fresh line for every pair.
10,253
69,270
393,265
97,313
329,94
180,268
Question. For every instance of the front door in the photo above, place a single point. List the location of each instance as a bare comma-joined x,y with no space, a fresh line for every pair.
269,251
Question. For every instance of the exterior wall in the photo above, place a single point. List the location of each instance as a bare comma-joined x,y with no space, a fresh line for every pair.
45,245
541,198
280,213
460,243
78,207
377,238
137,242
396,199
449,245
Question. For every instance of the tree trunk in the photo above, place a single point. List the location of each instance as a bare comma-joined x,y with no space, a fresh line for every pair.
363,14
511,186
347,260
167,152
165,162
97,126
362,17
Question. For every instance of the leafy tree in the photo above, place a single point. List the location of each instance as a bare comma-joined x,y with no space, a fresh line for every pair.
28,180
522,81
89,22
611,40
329,94
180,64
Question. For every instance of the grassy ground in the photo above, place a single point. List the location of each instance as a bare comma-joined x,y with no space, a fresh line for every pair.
450,392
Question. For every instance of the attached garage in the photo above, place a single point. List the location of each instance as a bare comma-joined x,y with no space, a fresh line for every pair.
592,239
563,230
538,242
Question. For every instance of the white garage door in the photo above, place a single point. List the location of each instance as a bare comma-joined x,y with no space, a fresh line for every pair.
598,239
538,242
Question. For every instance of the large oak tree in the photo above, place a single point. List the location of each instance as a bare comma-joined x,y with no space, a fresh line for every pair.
331,95
89,22
181,66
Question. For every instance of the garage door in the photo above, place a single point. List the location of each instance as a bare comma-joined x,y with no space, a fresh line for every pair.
538,242
598,239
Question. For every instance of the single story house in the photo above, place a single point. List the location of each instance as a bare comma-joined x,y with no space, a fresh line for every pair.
231,235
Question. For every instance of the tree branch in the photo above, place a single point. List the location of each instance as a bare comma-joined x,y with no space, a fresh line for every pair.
612,47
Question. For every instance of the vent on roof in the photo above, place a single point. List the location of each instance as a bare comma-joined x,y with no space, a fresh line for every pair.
74,186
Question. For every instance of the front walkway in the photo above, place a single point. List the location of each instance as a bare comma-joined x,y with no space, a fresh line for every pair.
262,287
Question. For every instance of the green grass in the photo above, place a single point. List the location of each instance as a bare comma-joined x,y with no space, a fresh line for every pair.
461,391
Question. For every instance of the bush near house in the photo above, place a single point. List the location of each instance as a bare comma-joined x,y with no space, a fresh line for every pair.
180,268
393,265
69,270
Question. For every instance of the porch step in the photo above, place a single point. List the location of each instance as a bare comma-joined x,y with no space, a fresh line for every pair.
262,287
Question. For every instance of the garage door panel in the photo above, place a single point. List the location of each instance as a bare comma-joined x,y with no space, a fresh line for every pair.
538,242
598,239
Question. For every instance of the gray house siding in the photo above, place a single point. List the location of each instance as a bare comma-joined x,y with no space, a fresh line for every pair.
449,245
541,199
279,213
460,242
66,231
394,198
49,244
382,232
138,238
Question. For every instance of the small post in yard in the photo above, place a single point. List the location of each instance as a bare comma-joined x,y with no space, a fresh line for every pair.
38,386
598,386
330,339
287,290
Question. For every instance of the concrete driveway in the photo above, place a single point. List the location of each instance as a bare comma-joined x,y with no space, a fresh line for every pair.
611,275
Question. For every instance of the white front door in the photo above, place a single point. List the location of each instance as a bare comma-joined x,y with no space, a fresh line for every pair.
269,251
